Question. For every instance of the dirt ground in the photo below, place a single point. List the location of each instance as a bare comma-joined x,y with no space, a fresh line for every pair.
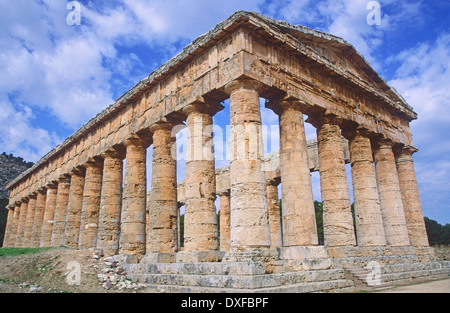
52,271
55,271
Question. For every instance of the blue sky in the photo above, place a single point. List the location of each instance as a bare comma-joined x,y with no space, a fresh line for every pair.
56,76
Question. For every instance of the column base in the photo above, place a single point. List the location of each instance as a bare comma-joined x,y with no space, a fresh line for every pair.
159,257
199,256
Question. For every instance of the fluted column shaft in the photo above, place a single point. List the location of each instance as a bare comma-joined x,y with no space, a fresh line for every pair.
390,195
47,226
200,219
29,222
62,198
14,225
415,223
249,208
132,233
38,218
73,216
21,223
337,217
91,205
299,218
110,204
9,225
225,221
162,221
276,239
368,218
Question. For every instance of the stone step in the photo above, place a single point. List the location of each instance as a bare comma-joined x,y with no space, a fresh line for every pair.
363,279
341,285
238,281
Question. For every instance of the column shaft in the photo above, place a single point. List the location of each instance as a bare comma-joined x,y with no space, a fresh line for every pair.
337,217
21,223
62,198
49,214
225,222
249,208
162,221
390,195
369,222
299,218
73,217
29,222
13,231
274,216
38,218
132,234
9,222
200,219
411,199
110,205
91,205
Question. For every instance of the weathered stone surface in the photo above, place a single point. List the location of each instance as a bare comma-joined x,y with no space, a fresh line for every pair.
38,218
29,221
110,204
73,213
62,199
225,221
49,213
162,226
390,195
337,218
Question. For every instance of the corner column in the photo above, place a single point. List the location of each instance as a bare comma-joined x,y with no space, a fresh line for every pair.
249,209
91,204
415,223
21,223
132,234
369,221
110,203
390,195
163,206
200,219
337,217
9,225
49,213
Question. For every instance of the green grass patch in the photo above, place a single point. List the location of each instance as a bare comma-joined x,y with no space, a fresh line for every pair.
19,251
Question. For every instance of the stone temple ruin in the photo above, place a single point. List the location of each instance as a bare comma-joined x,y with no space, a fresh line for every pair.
81,195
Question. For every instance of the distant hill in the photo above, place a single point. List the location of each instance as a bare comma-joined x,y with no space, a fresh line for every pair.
10,168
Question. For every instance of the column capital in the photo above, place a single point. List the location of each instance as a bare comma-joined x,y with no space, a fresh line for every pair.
114,152
317,120
93,163
380,143
405,150
78,171
202,105
351,131
164,124
279,104
137,140
245,84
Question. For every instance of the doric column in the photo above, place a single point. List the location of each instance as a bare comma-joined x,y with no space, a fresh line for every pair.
299,218
9,224
91,204
200,219
132,233
14,225
249,208
62,198
411,199
21,223
38,217
390,195
110,203
276,239
369,222
162,221
49,214
225,221
338,227
29,222
73,216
